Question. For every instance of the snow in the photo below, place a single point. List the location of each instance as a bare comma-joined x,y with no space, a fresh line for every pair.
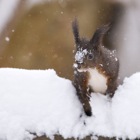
7,39
38,101
34,101
80,55
125,108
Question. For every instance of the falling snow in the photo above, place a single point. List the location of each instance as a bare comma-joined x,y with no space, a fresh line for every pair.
7,39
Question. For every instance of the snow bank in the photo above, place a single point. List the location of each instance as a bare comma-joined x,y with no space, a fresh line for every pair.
38,101
126,108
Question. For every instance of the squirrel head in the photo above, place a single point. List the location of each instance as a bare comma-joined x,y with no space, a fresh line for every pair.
88,51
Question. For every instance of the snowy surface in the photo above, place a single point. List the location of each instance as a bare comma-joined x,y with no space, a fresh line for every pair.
38,101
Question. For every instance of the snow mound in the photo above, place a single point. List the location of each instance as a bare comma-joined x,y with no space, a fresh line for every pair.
126,108
38,101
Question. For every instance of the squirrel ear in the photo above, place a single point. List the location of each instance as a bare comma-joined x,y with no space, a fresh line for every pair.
76,31
97,38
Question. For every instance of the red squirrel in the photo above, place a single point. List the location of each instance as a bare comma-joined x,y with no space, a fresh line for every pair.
96,67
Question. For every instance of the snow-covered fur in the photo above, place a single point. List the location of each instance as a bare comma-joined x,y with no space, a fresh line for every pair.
96,68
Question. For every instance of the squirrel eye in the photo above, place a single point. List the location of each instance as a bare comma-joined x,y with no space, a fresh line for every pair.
90,56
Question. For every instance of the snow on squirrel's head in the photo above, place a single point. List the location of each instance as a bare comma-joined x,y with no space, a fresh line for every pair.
88,51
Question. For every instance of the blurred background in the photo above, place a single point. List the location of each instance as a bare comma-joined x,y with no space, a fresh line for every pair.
37,34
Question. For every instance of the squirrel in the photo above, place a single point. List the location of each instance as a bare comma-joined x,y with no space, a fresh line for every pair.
96,67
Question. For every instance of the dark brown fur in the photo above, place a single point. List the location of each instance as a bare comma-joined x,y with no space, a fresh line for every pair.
92,54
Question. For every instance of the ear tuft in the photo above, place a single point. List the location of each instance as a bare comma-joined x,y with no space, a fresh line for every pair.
76,31
97,38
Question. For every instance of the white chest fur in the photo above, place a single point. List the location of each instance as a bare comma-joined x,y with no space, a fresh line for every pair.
97,81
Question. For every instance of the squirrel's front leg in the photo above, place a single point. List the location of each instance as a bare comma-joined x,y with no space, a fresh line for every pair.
112,86
80,83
